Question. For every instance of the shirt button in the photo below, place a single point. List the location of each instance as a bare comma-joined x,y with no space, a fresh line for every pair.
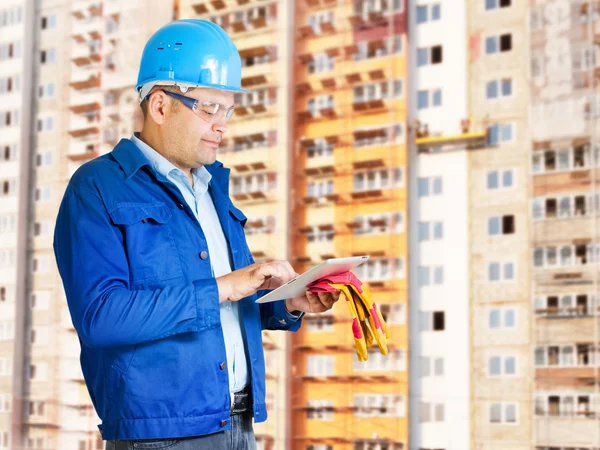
223,365
180,206
203,254
223,423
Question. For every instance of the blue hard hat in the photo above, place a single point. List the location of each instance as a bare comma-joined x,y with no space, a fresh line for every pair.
190,53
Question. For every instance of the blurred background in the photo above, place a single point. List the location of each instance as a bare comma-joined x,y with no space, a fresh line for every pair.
454,141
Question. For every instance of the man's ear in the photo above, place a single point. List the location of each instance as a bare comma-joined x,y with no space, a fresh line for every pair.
158,107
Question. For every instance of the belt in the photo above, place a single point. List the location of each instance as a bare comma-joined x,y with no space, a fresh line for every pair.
241,401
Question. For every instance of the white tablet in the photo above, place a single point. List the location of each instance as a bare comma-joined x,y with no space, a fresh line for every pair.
297,286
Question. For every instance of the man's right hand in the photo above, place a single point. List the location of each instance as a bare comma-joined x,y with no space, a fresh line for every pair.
245,282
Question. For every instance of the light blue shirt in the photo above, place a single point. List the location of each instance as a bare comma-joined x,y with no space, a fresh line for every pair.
199,200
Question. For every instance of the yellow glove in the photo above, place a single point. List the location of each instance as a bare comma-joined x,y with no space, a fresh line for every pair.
357,329
376,322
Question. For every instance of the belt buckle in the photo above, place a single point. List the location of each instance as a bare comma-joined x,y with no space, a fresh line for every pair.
239,402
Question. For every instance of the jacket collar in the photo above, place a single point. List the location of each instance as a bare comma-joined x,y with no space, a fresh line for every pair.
131,159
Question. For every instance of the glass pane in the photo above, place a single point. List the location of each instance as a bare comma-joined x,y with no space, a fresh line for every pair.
437,185
422,99
509,271
423,187
491,45
507,133
494,319
492,180
494,272
495,412
510,413
509,318
510,366
421,14
438,230
540,356
506,87
494,226
423,276
492,89
507,178
494,365
439,366
423,231
422,57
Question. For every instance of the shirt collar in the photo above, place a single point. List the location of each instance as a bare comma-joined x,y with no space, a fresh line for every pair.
163,166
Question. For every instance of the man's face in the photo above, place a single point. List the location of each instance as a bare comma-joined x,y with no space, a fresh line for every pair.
191,140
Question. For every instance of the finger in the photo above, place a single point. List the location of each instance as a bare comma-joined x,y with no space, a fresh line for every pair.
336,296
314,302
291,273
325,299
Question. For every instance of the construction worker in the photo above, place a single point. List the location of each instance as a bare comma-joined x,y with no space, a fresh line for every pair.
160,283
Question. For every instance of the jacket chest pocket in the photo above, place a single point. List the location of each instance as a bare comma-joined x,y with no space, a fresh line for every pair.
149,241
241,254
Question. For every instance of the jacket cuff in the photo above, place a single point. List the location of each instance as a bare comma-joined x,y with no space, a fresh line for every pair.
207,303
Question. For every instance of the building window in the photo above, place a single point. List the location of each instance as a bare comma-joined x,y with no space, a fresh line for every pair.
501,272
495,4
379,405
503,413
501,225
502,366
429,55
499,179
48,22
501,318
45,125
426,13
432,320
378,179
427,99
320,365
321,63
48,56
429,186
319,410
430,231
501,133
432,366
431,412
395,361
496,44
499,88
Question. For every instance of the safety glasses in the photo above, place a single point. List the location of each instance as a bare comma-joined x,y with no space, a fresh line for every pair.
209,111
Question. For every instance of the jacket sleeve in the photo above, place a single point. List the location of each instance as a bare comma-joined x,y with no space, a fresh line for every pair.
94,269
275,316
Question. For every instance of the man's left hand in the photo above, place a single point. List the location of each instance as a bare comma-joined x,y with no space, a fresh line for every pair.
313,302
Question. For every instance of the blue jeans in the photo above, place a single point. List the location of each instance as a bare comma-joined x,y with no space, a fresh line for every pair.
239,437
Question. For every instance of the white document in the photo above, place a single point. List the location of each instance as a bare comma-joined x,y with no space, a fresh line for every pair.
298,286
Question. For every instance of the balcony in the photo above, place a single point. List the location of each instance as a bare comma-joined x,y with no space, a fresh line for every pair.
566,431
84,155
317,114
250,82
372,19
320,166
87,82
320,3
467,138
345,379
325,200
200,7
370,106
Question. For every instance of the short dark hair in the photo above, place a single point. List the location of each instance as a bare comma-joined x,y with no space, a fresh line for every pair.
175,89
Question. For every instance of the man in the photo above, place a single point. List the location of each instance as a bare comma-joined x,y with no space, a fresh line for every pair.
160,282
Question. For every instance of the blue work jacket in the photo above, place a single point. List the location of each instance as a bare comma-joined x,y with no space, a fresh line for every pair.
137,276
